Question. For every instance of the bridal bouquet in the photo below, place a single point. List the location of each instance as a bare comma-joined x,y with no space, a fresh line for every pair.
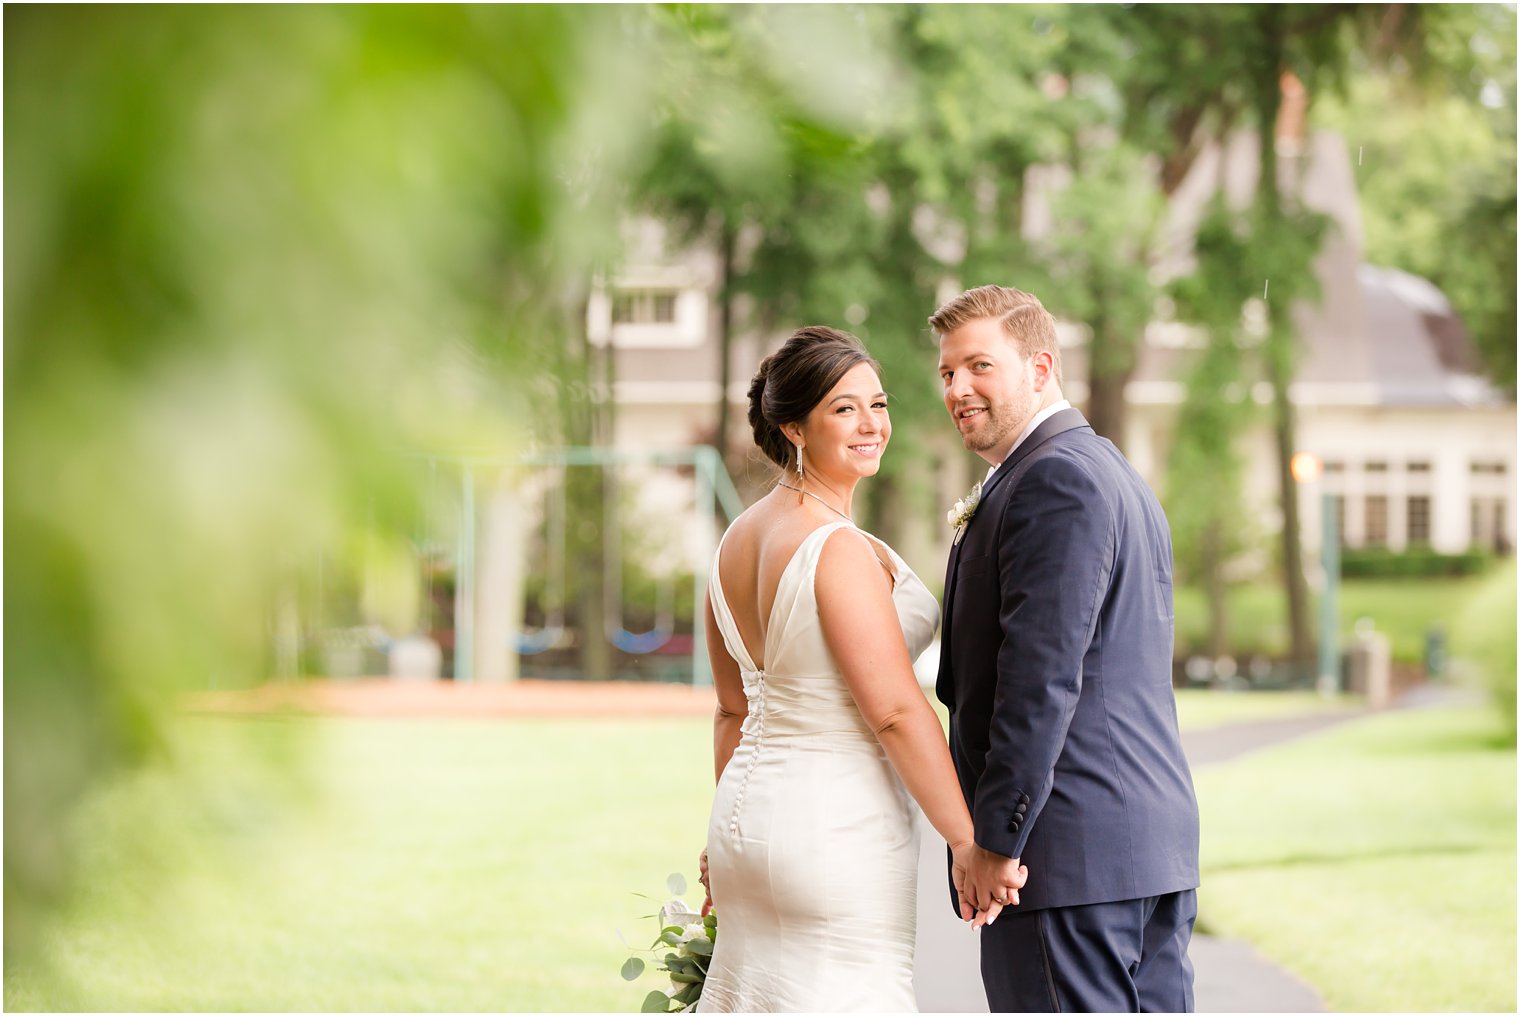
687,939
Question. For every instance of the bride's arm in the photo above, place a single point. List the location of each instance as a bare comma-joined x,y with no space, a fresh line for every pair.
732,706
863,633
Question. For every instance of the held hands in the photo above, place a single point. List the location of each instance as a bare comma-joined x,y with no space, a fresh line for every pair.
986,882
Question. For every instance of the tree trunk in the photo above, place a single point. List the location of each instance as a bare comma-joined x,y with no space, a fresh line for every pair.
884,509
589,423
1111,366
1297,587
1279,344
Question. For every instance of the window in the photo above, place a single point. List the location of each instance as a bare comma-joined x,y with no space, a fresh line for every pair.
1418,511
644,307
1340,518
1377,467
1376,523
1488,524
1488,468
1419,467
1334,467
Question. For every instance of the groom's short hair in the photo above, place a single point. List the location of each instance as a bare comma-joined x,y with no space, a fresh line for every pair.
1023,317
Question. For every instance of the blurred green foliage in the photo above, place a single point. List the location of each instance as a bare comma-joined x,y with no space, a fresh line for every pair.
1484,638
255,257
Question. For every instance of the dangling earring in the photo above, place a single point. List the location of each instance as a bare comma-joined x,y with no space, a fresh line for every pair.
799,474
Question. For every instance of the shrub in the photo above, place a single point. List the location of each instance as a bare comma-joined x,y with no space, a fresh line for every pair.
1485,638
1415,562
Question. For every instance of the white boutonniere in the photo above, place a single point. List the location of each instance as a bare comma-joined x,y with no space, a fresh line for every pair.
961,512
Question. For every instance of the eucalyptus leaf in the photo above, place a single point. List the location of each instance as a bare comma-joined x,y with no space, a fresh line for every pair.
656,1001
681,977
676,883
688,994
670,936
633,967
700,946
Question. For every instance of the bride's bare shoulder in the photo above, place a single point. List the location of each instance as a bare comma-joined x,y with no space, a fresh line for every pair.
766,533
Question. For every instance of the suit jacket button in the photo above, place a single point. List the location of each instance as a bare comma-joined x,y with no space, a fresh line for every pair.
1022,808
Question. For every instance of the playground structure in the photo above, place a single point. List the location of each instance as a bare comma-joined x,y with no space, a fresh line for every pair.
500,538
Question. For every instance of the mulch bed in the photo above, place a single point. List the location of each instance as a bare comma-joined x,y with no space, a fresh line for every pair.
389,697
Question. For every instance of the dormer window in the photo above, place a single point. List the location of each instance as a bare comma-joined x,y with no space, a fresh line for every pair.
650,310
644,307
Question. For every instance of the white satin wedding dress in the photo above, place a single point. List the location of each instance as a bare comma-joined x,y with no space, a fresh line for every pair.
812,848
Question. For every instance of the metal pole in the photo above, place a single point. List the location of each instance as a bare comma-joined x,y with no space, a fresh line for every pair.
1329,612
701,668
464,584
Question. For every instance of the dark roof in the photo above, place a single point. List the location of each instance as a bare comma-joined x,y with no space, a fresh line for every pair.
1376,337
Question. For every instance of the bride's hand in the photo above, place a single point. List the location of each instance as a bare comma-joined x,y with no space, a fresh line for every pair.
706,884
960,873
960,857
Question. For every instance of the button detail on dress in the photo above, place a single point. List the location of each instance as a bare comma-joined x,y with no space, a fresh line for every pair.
754,755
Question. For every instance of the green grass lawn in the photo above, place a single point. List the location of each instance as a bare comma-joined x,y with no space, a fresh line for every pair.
1404,610
404,865
347,864
1376,860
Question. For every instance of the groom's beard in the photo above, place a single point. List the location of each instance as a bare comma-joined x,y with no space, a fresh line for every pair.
1002,423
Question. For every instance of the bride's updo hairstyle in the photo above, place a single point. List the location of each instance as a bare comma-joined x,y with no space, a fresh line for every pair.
794,379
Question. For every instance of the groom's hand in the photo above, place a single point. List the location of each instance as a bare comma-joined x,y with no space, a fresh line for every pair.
993,880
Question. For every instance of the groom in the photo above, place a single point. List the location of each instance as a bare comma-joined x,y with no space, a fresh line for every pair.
1056,667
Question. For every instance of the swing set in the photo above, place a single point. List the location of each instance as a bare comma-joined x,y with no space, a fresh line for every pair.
712,489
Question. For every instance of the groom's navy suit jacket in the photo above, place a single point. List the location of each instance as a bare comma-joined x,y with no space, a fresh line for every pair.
1056,665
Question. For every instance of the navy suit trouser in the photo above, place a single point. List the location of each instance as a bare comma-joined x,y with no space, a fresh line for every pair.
1128,956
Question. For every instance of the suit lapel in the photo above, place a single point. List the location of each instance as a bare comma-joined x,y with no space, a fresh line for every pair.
1058,423
943,687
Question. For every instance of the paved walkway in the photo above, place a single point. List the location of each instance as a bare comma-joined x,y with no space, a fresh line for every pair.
1220,744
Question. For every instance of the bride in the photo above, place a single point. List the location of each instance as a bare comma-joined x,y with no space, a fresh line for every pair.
821,731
